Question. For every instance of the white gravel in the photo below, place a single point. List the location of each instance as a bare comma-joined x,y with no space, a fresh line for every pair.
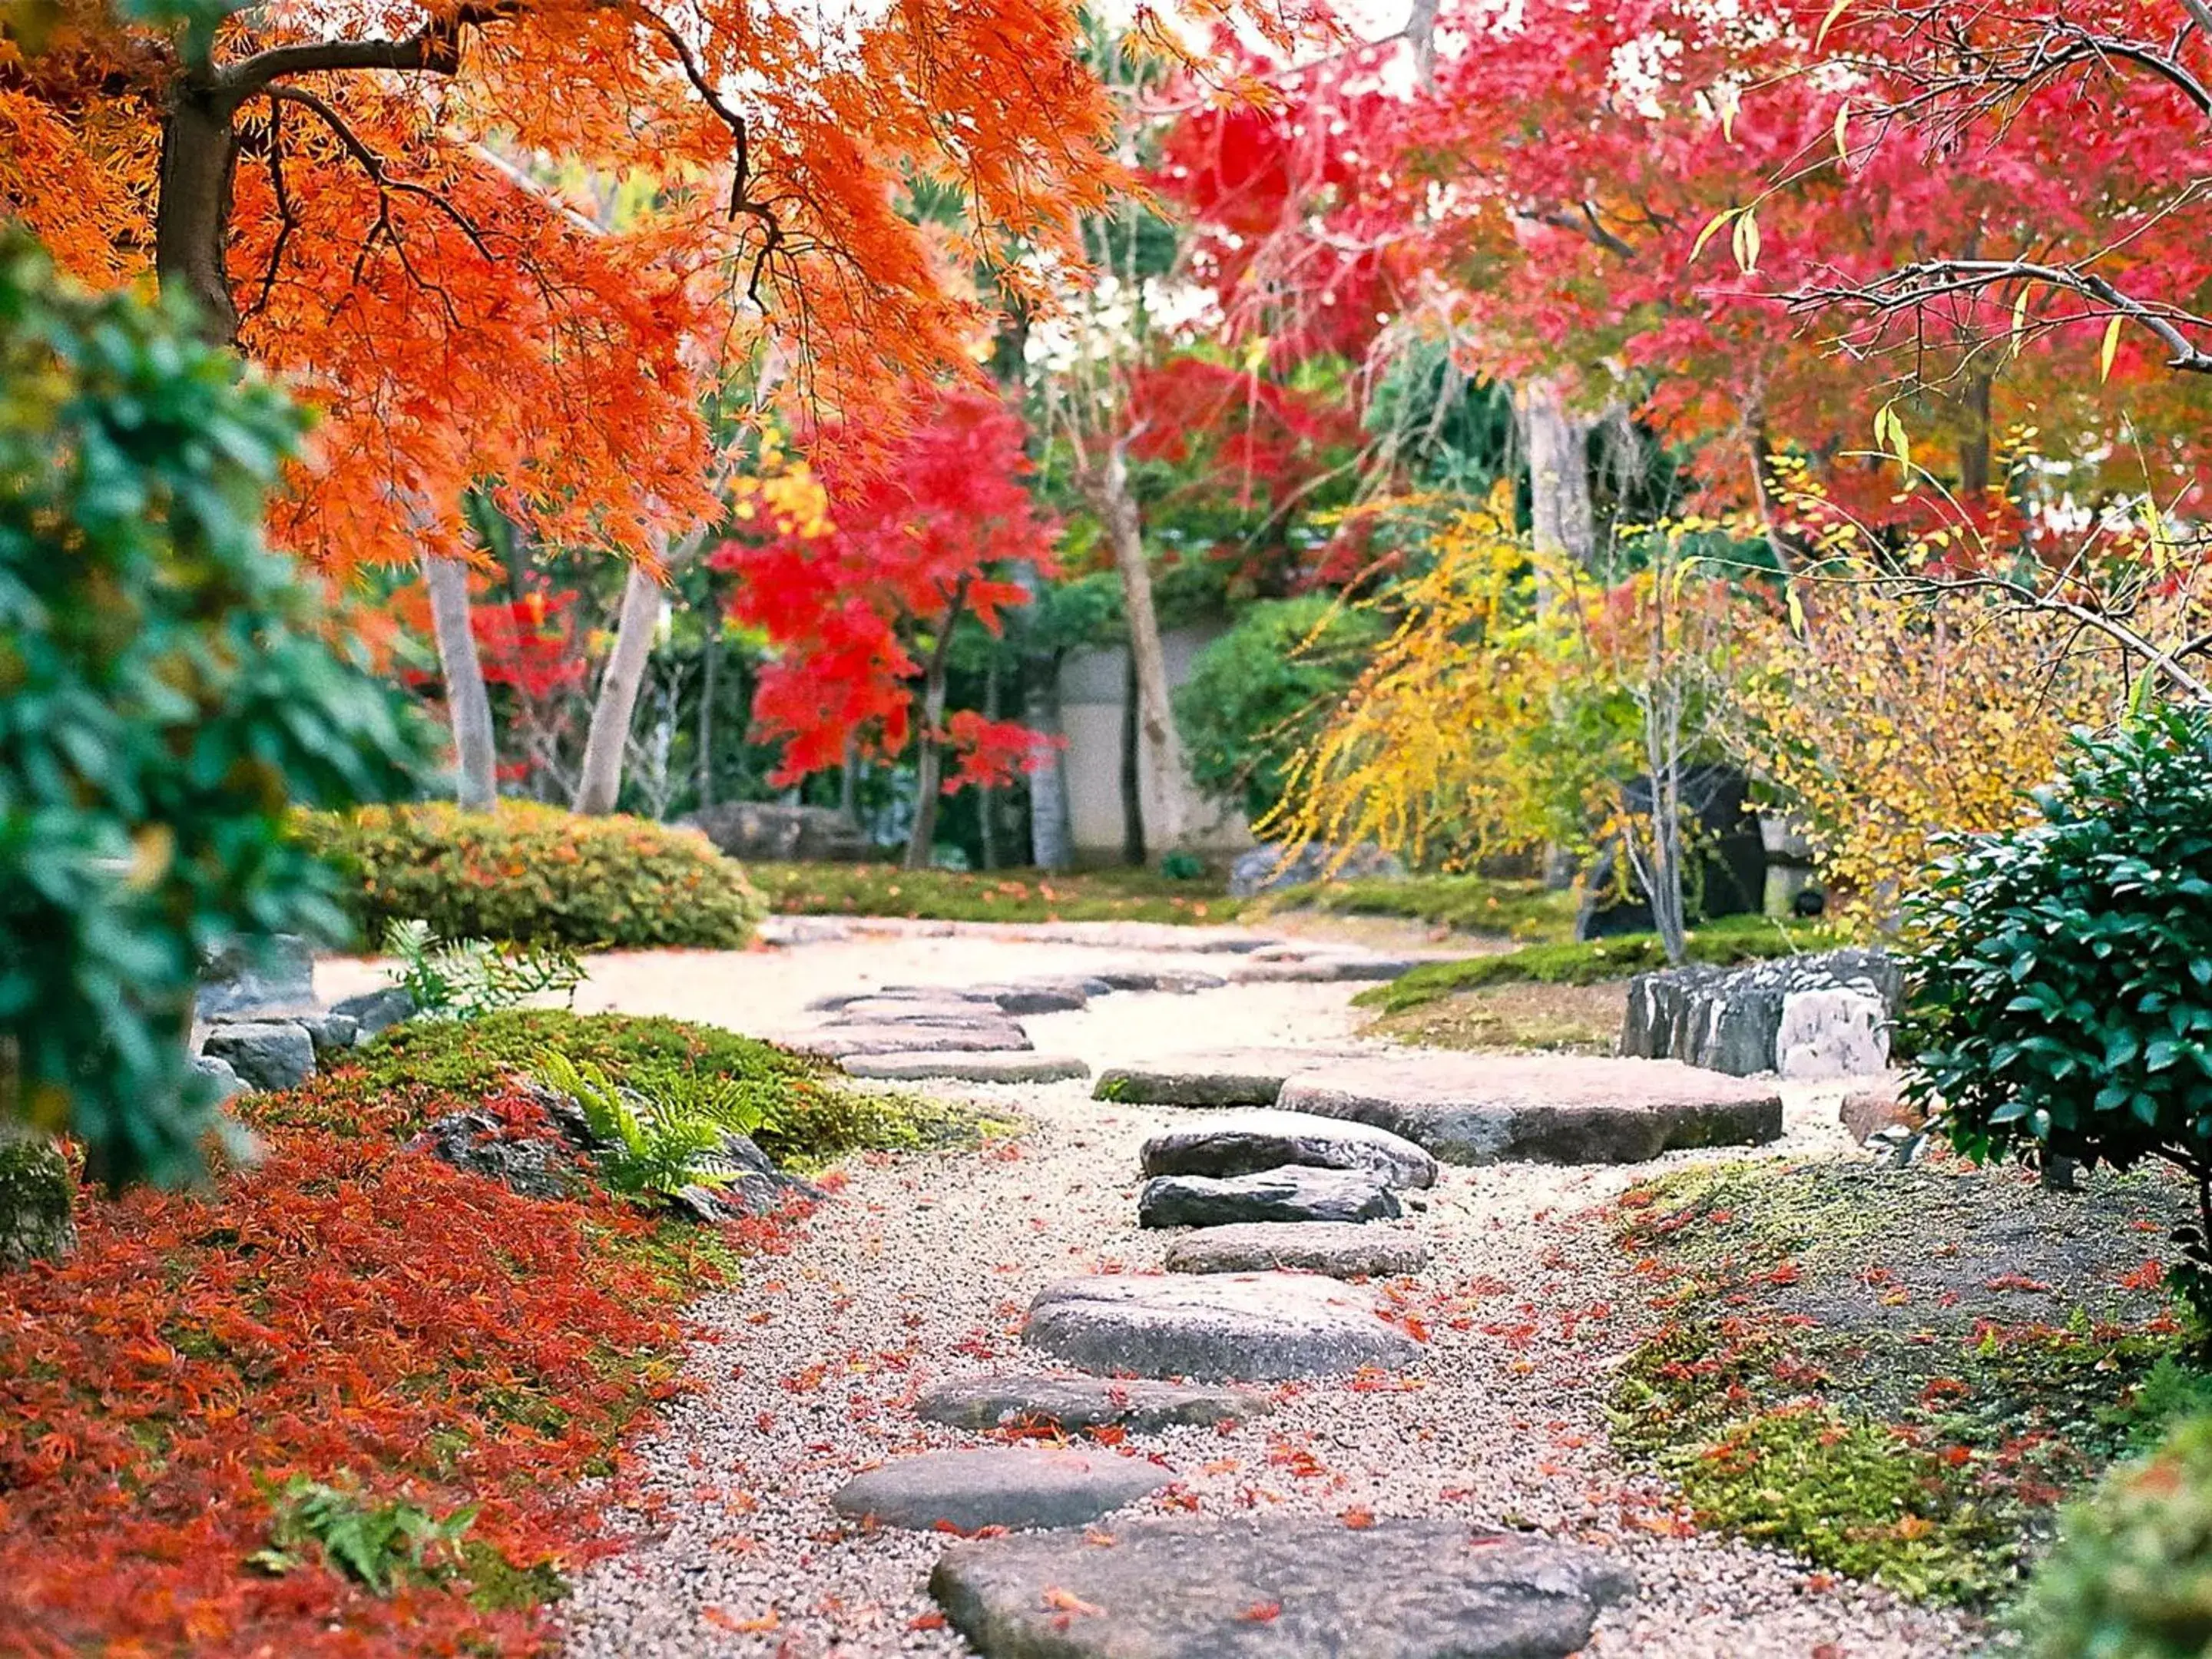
920,1269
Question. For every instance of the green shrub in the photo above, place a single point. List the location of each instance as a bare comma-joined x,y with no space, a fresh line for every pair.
2061,996
168,691
1258,694
2131,1575
526,871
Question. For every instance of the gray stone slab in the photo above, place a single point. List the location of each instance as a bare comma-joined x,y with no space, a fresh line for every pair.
972,1066
838,1041
1294,1193
264,1055
1282,1587
1253,1328
1180,982
1545,1108
870,1011
1342,1250
1248,1077
1016,1486
1322,969
1241,1143
1085,1402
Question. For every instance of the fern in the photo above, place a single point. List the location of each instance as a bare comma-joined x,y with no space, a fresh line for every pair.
659,1150
467,979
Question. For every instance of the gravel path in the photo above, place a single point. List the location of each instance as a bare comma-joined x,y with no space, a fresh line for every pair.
921,1270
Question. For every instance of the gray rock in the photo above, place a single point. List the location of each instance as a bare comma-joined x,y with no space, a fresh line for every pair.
1264,869
229,1084
1187,1589
269,1054
257,975
1342,1250
1254,1328
749,1183
967,1068
902,1010
476,1143
38,1199
1323,968
331,1033
1070,1403
1039,998
372,1011
1015,1486
768,830
1180,982
1244,1143
1731,1019
1292,1193
838,1041
1547,1108
1246,1077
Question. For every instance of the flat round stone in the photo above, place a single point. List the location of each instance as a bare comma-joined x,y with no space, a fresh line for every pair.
1547,1109
1234,1076
1342,1250
1255,1328
1085,1402
838,1041
1243,1143
1013,1486
1193,1589
967,1066
1293,1193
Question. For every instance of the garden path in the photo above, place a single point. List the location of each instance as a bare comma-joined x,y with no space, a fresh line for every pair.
920,1271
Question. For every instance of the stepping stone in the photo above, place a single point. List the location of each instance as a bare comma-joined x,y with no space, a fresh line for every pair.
1252,1077
1319,970
869,1011
998,1486
1547,1109
1182,981
1013,1066
1045,997
1190,1589
1085,1402
1340,1249
1243,1143
840,1041
1293,1193
1253,1328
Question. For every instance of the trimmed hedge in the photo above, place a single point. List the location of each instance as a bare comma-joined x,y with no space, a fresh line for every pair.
527,872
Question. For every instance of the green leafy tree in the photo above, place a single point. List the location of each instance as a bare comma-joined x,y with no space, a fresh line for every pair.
168,693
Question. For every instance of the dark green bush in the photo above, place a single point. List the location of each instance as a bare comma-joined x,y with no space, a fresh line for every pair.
2131,1575
2061,995
1258,693
530,873
166,694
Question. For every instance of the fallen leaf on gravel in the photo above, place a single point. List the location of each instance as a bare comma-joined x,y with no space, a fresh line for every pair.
722,1619
1062,1601
926,1621
1262,1612
1095,1535
1358,1517
1223,1466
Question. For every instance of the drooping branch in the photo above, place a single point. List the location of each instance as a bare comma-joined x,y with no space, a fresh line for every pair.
373,165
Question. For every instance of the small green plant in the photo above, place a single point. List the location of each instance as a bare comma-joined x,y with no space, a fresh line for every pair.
1183,867
468,978
656,1149
2061,996
2131,1575
376,1544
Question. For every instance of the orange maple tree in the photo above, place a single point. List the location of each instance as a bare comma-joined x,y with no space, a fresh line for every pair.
397,206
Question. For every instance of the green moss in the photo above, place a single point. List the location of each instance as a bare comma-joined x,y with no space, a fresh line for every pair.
1724,943
881,889
1524,910
38,1195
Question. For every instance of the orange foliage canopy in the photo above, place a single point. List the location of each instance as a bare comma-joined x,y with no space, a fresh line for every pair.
408,209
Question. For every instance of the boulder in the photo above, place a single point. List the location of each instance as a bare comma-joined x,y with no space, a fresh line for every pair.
772,832
1545,1108
257,975
372,1011
1244,1143
1072,1403
966,1067
229,1084
749,1184
1265,869
38,1199
1837,1006
1292,1193
478,1144
1342,1250
330,1032
1014,1486
266,1055
1254,1328
1280,1588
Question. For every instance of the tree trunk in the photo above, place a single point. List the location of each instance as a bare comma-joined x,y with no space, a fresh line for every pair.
598,786
1166,828
1051,846
467,704
192,214
929,750
1559,507
1132,768
1974,442
710,663
849,781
